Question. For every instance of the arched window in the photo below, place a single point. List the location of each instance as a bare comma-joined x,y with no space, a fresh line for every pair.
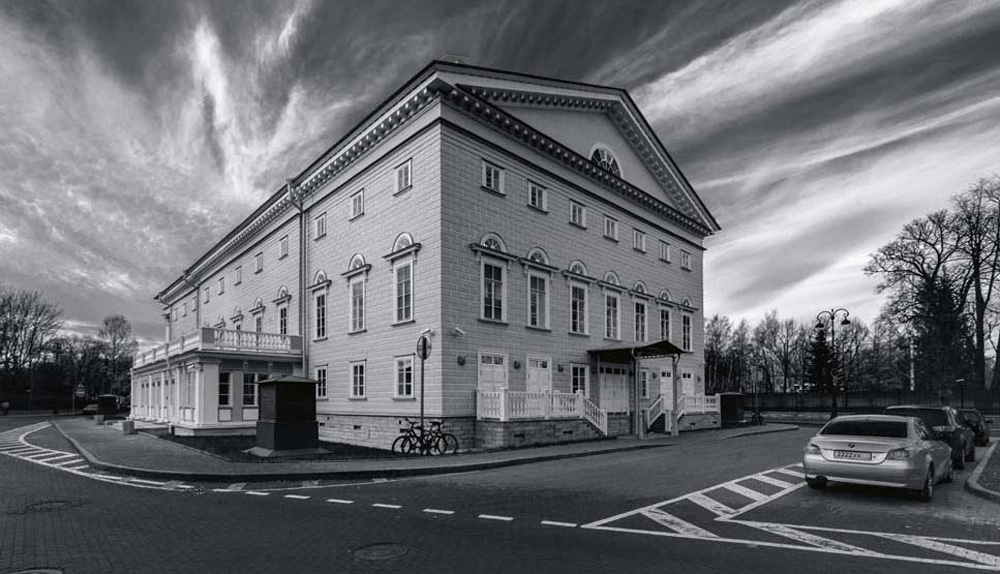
538,256
220,322
357,262
687,302
402,242
237,312
604,159
319,278
258,303
665,295
578,267
639,287
282,292
494,242
612,278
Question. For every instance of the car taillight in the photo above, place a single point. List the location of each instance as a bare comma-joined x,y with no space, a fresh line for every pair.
812,449
900,454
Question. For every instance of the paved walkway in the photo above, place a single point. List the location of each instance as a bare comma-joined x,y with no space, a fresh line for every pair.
145,455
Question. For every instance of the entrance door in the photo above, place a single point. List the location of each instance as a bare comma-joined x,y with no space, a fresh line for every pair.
667,388
614,389
539,374
492,371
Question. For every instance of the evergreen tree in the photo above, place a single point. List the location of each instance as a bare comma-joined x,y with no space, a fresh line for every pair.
821,367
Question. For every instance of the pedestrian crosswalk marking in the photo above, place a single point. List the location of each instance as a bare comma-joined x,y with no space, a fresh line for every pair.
676,524
710,504
772,481
746,492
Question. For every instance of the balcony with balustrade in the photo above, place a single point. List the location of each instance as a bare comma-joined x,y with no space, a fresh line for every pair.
223,341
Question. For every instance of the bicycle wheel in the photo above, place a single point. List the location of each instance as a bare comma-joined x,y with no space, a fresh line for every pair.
402,445
446,443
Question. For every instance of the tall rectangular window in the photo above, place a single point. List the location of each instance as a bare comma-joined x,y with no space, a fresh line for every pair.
321,315
320,226
205,291
493,292
665,251
492,177
638,240
578,308
358,203
174,314
250,389
283,247
185,307
610,228
224,389
612,319
283,320
685,260
358,380
357,304
577,214
644,383
537,196
321,382
640,321
403,176
258,262
686,332
664,324
258,323
239,275
538,301
404,376
404,291
222,285
578,378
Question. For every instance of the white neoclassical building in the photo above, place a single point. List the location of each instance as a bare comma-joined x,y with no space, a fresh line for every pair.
536,228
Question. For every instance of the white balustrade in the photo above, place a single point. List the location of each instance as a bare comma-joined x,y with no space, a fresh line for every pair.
654,411
506,405
221,339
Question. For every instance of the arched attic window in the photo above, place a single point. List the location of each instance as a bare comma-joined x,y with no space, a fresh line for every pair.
665,295
604,159
258,303
319,278
640,287
402,242
578,267
612,278
538,255
282,292
494,242
357,262
687,302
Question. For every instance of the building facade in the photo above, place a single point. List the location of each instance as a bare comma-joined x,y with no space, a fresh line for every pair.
536,229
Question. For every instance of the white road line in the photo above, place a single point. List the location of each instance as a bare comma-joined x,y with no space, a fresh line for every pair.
790,472
392,506
19,451
558,523
811,539
237,486
66,463
747,492
339,501
676,524
52,457
438,511
711,505
224,490
850,531
144,481
938,546
496,517
768,500
36,455
78,468
255,493
772,481
297,497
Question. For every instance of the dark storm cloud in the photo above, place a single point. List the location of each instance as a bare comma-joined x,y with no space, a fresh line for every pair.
135,134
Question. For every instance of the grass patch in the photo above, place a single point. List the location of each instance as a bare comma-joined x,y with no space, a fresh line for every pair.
233,447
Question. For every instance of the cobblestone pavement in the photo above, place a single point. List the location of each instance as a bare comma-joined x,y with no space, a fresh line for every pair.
533,518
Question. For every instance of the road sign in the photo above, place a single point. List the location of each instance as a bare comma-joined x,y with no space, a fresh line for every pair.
81,391
423,347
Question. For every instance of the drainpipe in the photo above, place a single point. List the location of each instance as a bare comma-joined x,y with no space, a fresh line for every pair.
298,200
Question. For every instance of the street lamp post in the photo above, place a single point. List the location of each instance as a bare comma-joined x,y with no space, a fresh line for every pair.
831,316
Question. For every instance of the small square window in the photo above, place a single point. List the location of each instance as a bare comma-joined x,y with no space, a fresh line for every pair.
492,177
358,204
239,275
685,260
174,314
610,228
320,228
222,285
185,306
665,253
403,176
258,262
538,196
577,214
638,240
283,247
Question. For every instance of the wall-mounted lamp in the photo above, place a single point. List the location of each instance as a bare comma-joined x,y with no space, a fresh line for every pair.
517,364
559,367
461,360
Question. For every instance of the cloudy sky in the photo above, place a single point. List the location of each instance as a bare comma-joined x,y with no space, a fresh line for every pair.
133,135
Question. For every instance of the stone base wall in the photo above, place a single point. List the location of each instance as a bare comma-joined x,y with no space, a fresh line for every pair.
619,424
242,430
513,434
701,421
380,431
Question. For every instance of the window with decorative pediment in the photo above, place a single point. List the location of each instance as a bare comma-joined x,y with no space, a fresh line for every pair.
603,158
538,256
578,268
492,241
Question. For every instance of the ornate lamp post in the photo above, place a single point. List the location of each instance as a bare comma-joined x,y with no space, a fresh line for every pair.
821,319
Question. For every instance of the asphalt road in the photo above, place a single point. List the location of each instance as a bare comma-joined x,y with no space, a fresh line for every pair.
674,509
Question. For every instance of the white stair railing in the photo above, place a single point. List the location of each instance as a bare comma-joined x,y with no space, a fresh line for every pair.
593,414
654,411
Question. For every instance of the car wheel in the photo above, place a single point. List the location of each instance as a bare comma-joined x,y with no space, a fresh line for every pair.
817,483
926,494
949,475
958,462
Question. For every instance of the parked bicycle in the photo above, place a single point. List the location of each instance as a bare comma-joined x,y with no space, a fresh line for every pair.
415,439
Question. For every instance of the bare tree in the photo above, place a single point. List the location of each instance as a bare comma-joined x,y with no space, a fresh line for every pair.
116,332
28,323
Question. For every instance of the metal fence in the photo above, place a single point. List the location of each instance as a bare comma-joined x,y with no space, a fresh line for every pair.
875,401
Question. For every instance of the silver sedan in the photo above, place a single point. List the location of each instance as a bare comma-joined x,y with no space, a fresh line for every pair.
878,450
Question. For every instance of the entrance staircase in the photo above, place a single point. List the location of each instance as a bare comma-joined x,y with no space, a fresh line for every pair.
686,405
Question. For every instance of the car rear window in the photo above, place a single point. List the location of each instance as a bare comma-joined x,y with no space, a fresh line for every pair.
933,417
890,429
971,415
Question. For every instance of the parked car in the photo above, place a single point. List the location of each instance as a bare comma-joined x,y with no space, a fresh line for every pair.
878,450
979,425
90,409
945,422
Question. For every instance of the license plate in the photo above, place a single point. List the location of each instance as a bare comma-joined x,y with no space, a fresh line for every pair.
851,455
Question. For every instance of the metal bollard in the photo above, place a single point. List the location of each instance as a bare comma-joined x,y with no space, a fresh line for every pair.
128,427
99,419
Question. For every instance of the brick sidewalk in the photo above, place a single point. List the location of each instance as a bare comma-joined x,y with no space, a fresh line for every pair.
144,455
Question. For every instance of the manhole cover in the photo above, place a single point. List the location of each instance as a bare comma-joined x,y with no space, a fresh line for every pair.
380,552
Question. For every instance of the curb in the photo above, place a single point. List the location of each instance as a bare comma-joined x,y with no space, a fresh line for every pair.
788,428
972,484
358,474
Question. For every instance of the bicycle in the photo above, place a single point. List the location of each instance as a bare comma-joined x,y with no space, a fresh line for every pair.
424,442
